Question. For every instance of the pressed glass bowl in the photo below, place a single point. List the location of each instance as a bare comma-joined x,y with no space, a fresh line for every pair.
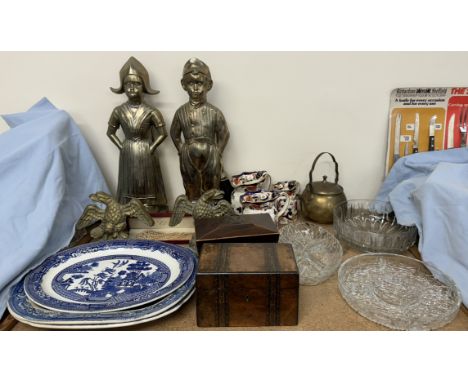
398,291
371,226
318,253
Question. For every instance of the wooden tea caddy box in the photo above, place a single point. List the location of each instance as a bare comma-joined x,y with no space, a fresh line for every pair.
247,284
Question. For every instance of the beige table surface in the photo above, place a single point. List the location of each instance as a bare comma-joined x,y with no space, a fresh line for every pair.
321,307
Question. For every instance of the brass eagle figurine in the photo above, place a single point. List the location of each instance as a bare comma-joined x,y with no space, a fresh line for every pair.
113,217
210,205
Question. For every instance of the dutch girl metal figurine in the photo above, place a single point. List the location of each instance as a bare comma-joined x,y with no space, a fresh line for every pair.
144,130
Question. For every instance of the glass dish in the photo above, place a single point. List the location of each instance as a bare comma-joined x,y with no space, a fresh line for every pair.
398,291
371,226
318,253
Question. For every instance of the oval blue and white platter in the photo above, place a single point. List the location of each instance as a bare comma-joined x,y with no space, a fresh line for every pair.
23,310
109,276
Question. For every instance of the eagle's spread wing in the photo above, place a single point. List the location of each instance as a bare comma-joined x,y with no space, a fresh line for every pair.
224,208
182,206
211,208
135,208
90,215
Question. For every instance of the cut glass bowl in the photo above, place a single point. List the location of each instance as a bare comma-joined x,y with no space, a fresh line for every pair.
398,291
371,226
318,253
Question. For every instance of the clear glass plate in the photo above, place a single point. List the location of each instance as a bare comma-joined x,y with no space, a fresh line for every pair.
371,226
318,253
398,291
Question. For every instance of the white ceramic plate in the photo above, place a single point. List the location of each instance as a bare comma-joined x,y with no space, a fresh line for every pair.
102,326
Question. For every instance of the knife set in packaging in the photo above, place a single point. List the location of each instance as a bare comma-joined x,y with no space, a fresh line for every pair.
426,119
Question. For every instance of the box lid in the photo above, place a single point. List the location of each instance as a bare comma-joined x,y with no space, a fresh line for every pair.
234,227
257,258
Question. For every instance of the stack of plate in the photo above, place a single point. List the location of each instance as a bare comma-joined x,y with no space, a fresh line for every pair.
105,285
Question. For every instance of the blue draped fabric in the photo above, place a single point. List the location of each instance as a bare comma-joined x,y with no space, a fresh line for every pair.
47,172
430,190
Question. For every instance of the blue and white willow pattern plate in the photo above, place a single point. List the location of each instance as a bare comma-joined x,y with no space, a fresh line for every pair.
109,276
22,309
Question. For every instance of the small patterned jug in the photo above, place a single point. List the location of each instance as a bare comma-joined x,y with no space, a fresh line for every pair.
251,181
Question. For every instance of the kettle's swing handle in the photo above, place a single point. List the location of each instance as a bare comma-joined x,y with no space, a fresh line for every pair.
315,162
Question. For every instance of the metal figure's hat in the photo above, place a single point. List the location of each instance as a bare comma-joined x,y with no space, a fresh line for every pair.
196,66
134,67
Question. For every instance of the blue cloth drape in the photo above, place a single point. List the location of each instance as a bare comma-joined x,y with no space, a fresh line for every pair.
430,190
47,172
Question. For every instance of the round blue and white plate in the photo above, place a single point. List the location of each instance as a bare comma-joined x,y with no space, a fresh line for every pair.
23,310
109,276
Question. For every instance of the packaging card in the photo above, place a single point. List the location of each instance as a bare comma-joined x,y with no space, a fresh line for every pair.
426,119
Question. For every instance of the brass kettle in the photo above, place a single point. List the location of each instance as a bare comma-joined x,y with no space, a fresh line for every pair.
320,198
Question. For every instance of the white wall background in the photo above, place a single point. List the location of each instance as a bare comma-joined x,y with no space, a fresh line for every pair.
282,108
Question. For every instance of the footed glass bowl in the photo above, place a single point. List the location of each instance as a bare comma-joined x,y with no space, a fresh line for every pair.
371,226
318,253
398,291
